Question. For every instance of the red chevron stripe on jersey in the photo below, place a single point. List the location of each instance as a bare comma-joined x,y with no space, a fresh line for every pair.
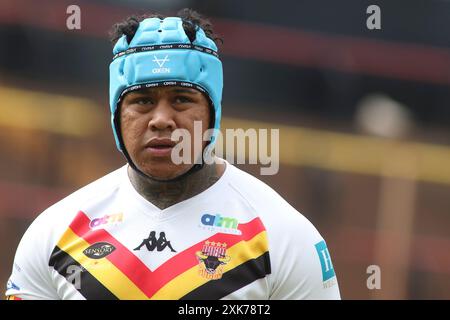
151,281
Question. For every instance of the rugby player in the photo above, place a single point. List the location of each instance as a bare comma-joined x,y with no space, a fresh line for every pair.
154,229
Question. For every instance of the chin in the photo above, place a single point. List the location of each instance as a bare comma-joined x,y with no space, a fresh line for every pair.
165,171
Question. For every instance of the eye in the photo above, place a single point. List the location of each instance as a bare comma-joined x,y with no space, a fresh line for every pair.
183,99
143,101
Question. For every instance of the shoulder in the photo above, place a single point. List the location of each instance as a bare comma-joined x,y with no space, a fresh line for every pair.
51,223
31,274
298,252
63,210
267,202
284,224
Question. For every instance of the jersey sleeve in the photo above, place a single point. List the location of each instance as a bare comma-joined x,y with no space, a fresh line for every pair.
301,263
31,276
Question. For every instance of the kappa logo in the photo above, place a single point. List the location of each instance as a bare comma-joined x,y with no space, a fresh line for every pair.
99,250
220,224
212,259
152,243
161,63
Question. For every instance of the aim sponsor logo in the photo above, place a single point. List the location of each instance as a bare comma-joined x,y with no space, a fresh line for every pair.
220,224
106,220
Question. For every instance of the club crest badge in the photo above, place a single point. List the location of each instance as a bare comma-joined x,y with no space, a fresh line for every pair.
211,260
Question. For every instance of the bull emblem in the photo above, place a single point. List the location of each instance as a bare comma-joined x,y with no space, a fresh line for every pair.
211,262
211,259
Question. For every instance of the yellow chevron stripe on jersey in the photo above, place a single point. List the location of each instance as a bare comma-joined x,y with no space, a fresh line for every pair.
105,275
190,280
102,269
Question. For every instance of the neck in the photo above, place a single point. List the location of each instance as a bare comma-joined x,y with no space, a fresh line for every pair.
164,194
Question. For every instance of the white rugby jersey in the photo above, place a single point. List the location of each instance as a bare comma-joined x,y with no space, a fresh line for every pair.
236,240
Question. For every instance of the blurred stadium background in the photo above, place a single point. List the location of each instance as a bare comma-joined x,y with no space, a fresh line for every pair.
363,114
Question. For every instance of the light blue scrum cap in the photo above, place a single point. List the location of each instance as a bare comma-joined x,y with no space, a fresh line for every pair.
161,54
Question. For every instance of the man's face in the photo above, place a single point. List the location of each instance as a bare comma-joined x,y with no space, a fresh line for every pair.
149,116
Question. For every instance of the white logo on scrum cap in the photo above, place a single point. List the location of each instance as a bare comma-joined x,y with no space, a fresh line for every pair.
161,63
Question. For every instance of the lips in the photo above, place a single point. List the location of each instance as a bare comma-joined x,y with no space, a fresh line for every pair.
160,147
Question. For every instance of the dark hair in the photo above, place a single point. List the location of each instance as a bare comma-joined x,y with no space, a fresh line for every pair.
191,21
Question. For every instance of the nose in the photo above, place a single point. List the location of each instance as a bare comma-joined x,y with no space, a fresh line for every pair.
162,117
